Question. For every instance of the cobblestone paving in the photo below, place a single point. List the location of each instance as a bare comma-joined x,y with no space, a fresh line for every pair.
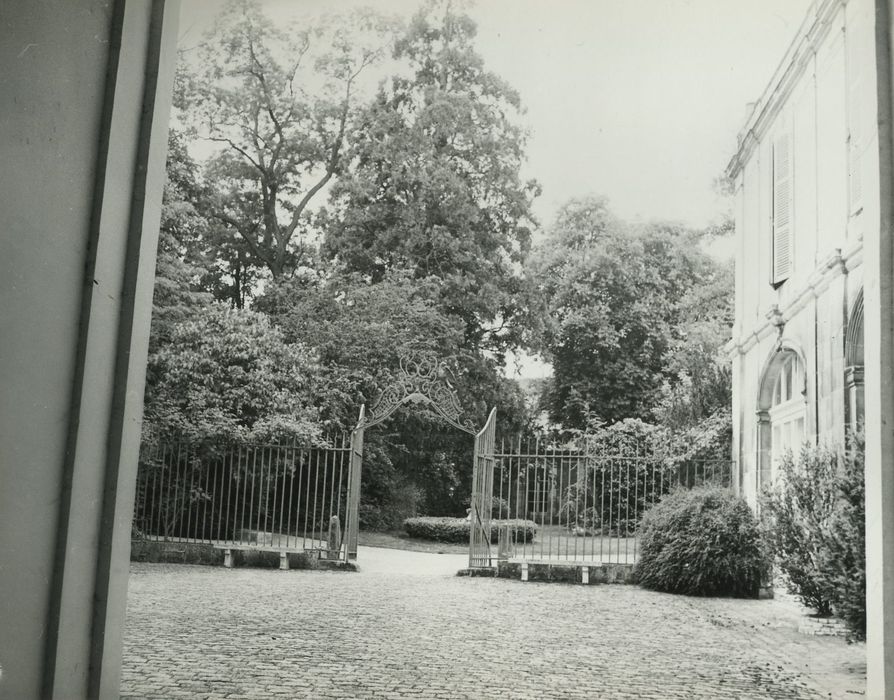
406,632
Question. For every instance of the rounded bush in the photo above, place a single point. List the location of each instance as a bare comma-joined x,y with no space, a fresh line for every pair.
704,541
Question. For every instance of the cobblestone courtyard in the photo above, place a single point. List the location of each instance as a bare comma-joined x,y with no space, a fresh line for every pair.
405,627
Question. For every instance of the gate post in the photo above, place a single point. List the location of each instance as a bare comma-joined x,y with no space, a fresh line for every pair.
352,526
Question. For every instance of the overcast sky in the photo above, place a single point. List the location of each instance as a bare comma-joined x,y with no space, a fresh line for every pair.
637,100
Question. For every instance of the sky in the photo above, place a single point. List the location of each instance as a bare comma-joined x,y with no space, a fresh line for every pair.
636,100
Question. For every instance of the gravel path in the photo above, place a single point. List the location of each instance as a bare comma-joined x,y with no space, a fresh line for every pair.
406,627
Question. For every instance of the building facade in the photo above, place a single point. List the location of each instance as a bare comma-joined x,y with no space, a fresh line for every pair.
806,181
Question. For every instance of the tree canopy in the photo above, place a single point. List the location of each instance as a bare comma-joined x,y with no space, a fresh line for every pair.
349,227
435,186
226,374
279,104
615,302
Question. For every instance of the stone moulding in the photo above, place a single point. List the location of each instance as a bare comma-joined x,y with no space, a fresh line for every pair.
836,264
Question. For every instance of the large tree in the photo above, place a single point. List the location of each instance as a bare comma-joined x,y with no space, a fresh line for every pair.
279,105
228,374
614,296
179,292
435,185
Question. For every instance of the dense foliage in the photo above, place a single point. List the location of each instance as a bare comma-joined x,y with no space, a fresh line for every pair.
227,375
815,517
459,529
279,103
620,302
435,189
705,542
351,226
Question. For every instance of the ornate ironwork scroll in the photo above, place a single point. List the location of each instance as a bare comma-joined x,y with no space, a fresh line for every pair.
422,380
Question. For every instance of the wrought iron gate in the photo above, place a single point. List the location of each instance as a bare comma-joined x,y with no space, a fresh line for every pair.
292,497
283,497
422,380
482,494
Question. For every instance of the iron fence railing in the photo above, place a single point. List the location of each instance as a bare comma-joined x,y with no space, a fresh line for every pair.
583,505
280,496
587,505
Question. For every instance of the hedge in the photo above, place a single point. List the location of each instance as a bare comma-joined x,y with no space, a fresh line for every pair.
457,529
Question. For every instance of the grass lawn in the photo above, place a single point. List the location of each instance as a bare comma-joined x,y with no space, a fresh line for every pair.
398,539
551,542
555,542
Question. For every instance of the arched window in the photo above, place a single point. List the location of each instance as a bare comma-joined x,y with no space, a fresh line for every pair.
787,408
853,363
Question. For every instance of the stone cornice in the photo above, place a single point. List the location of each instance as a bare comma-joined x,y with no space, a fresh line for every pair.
810,35
836,264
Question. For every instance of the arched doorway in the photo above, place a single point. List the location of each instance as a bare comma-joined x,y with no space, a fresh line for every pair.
782,412
853,364
423,380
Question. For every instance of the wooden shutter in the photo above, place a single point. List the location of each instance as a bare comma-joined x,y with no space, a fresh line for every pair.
782,208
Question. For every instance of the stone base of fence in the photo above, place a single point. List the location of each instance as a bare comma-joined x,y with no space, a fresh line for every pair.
563,572
215,555
822,626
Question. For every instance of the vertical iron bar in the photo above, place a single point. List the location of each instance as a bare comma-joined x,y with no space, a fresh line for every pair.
306,497
583,484
281,481
293,467
190,470
173,488
332,454
254,484
262,494
323,493
611,509
601,508
527,486
206,490
543,495
596,532
627,491
214,535
162,491
341,467
158,471
313,522
242,501
264,521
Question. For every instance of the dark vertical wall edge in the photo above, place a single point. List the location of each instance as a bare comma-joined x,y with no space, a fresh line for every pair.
879,328
54,608
132,346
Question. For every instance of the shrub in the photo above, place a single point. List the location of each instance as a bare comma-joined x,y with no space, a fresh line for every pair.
704,541
845,553
795,511
458,529
815,520
401,502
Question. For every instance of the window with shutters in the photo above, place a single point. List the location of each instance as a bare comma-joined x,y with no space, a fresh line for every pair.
782,209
